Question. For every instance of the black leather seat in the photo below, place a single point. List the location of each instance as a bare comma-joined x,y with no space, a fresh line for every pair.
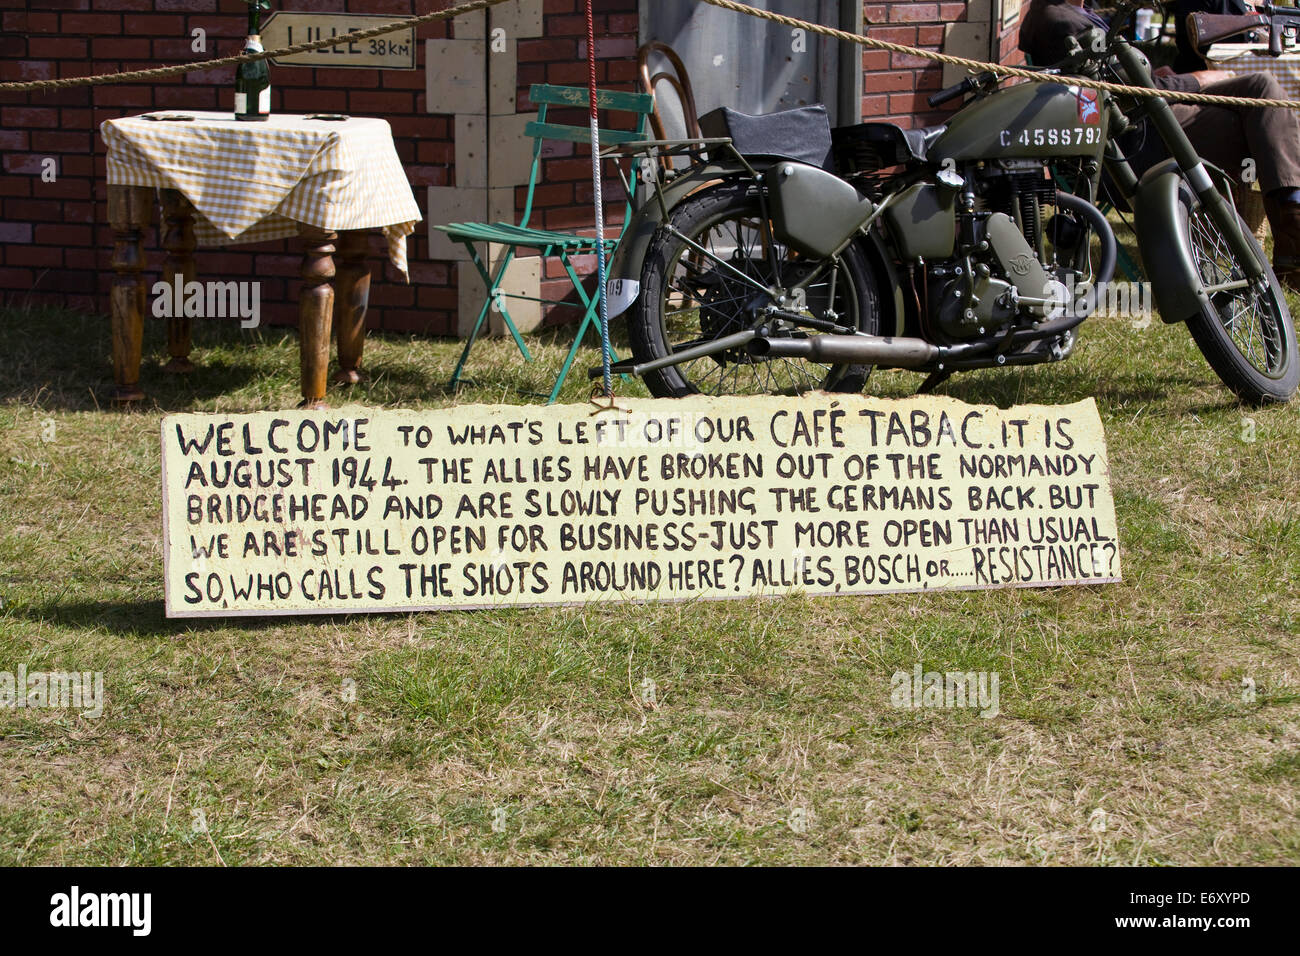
802,134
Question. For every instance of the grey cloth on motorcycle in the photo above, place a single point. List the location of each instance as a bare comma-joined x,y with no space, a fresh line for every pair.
869,146
802,134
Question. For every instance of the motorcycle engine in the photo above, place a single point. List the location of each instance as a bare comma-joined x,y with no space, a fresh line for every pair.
971,300
978,292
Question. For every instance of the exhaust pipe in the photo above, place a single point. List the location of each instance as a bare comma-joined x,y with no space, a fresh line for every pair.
850,350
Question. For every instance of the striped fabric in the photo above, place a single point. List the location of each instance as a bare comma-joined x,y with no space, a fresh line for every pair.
251,181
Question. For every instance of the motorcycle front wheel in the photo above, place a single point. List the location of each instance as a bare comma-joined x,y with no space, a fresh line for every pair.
1245,331
706,275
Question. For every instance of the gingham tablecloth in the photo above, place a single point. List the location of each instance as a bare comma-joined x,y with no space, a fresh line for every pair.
250,181
1254,58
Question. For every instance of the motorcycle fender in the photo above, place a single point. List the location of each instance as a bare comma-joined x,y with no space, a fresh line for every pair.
1167,260
623,285
892,307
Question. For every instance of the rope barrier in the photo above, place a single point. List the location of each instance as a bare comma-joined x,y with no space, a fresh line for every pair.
178,68
974,66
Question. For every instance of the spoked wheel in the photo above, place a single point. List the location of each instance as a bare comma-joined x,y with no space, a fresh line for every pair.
1245,331
707,276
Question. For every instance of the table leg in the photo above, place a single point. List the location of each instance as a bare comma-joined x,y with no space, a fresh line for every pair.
315,308
129,209
178,241
351,297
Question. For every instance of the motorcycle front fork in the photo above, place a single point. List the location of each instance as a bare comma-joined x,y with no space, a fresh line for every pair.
1171,133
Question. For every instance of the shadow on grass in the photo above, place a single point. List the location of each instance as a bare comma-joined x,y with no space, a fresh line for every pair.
62,360
144,618
147,618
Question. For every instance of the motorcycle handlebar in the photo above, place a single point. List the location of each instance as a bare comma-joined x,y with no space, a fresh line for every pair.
951,93
972,84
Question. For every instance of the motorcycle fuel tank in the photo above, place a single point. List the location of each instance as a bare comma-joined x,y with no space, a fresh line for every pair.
1028,121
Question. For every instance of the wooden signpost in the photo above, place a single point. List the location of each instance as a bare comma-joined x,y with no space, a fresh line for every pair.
361,509
393,51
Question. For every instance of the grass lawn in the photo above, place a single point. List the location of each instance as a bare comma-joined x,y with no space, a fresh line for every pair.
526,736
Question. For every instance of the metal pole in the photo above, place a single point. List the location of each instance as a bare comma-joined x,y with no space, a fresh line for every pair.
600,205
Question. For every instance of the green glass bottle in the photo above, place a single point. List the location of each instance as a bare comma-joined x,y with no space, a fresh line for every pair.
253,80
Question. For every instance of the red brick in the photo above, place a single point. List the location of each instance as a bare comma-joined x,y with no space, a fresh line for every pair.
38,23
34,210
63,235
188,98
15,231
40,117
530,51
905,35
175,50
57,48
125,96
913,12
314,101
875,106
114,48
22,164
158,24
60,141
17,279
428,274
608,48
15,186
907,60
93,24
379,102
40,257
885,82
908,102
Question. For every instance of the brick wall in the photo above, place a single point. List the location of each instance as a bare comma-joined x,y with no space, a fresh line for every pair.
54,237
895,86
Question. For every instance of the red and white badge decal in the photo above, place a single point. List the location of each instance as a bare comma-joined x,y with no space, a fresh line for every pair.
1089,111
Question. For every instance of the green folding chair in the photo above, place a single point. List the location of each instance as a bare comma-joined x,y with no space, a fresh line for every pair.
548,243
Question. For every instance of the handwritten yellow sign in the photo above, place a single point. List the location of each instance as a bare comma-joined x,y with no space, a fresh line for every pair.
392,51
362,509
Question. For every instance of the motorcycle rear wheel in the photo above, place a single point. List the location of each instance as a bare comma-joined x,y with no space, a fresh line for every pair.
1247,335
689,297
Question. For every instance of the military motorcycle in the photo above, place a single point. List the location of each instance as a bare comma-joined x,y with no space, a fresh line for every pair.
779,256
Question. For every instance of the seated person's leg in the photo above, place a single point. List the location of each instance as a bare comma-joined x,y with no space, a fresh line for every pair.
1270,136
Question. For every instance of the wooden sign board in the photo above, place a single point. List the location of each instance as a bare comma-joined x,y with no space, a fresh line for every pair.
392,51
362,509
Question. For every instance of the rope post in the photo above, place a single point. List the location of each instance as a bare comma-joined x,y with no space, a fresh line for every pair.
599,200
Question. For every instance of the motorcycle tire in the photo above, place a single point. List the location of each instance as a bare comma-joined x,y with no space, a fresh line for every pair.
1247,335
688,297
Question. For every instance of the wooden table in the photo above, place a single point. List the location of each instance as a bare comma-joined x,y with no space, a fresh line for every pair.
222,182
335,293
